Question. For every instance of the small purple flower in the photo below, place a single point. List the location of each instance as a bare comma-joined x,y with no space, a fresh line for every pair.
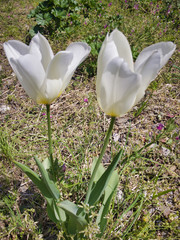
136,6
177,138
125,1
151,3
64,167
68,14
109,4
105,26
169,10
160,126
45,114
150,134
99,15
86,100
85,23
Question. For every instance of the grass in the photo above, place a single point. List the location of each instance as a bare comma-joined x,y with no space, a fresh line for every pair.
147,201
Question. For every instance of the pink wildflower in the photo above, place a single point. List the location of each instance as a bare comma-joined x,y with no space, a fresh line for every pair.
160,126
136,6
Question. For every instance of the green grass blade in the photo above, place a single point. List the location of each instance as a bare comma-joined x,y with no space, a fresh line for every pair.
135,218
162,193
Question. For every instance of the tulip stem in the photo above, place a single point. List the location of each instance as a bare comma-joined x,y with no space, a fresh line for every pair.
108,134
49,138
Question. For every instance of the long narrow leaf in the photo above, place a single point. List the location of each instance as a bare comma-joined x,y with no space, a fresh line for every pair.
35,178
48,182
100,170
132,205
163,192
135,218
101,184
109,192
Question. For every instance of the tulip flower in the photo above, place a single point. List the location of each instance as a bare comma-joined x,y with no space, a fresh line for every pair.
43,75
120,82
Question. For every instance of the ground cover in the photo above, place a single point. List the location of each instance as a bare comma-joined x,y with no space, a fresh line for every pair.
79,126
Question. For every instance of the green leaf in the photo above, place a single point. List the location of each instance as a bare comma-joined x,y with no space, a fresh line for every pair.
101,184
50,211
40,19
76,222
100,170
109,192
48,182
35,178
55,213
163,192
46,163
137,213
56,2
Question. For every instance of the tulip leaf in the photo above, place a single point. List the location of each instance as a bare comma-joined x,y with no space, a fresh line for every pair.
103,181
109,192
100,170
35,178
48,182
55,213
76,222
46,163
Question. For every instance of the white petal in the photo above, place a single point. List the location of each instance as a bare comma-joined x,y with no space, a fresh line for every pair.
40,47
118,88
166,49
107,52
62,67
14,49
149,63
148,70
123,47
56,73
79,51
31,75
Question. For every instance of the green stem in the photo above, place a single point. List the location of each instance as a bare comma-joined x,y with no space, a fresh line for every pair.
49,137
100,158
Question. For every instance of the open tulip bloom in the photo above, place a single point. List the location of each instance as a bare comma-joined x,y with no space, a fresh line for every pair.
43,75
120,85
120,82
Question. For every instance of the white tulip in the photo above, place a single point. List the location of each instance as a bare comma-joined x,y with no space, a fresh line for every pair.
120,82
43,75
